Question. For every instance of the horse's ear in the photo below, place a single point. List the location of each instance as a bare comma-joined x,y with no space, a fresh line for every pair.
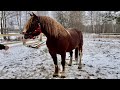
30,14
34,14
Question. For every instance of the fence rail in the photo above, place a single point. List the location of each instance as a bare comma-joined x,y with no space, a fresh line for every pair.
1,35
20,40
109,34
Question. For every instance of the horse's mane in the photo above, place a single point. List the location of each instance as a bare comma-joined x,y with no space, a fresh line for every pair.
52,27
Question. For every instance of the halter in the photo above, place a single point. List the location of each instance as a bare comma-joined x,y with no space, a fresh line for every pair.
38,29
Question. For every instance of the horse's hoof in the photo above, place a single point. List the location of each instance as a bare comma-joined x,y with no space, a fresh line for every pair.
79,67
69,65
55,75
62,76
75,63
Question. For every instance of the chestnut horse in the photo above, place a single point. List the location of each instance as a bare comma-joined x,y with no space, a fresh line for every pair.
59,40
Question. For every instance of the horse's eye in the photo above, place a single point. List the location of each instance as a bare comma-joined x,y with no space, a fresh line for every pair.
30,32
37,21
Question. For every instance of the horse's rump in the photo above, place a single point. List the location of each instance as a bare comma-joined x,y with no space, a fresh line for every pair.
76,38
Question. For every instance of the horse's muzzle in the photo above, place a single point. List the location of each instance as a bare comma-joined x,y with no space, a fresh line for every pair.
26,36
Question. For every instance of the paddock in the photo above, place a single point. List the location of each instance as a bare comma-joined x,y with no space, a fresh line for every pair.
101,60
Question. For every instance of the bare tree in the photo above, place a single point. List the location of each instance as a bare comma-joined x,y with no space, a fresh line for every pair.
3,23
62,17
75,19
42,13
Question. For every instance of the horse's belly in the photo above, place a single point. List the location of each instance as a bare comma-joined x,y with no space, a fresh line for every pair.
55,49
72,44
70,48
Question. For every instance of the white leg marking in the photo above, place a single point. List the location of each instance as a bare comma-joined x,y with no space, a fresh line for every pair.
70,62
80,64
76,59
62,74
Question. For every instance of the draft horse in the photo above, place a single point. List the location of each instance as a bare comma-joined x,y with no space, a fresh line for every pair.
59,39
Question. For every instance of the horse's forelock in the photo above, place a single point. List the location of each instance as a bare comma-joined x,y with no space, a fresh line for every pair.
27,25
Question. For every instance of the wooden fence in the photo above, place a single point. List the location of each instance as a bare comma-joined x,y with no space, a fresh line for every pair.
19,38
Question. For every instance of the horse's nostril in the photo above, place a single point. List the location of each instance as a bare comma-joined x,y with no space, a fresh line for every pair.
23,32
25,37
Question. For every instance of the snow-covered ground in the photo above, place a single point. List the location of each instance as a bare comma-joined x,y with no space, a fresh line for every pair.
101,60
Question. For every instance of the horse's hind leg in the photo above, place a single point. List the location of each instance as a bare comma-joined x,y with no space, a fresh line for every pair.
76,56
80,54
71,55
54,57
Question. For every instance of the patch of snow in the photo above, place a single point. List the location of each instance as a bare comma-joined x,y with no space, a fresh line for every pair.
101,57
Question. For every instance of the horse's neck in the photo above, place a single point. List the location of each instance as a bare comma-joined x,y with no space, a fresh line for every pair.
44,31
61,34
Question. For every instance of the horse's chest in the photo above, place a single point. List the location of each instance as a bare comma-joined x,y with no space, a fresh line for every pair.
51,45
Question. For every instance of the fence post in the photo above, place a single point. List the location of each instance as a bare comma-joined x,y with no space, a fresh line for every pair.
41,36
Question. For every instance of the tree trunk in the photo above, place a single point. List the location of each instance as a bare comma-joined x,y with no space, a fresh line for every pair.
26,16
4,26
1,22
20,21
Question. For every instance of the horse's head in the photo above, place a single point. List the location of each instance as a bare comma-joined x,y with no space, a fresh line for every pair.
32,27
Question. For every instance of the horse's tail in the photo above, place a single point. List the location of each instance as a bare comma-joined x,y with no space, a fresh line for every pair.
81,40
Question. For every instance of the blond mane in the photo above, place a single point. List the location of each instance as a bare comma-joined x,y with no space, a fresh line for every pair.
52,27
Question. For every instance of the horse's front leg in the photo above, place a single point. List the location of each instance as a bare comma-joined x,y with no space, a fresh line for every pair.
63,56
54,57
